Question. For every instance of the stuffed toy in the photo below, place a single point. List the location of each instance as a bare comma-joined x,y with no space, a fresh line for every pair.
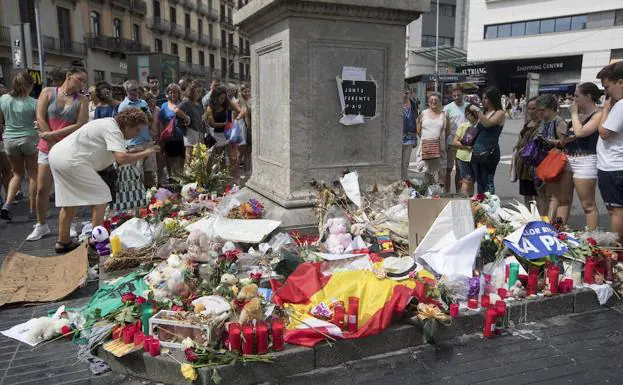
227,288
100,238
47,328
518,290
339,238
249,300
200,249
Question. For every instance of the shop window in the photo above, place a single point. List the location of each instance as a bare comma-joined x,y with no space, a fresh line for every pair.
518,29
548,25
158,45
618,17
532,27
563,24
174,50
491,32
504,30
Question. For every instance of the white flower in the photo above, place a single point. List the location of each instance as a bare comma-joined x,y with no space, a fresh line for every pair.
188,343
245,281
174,260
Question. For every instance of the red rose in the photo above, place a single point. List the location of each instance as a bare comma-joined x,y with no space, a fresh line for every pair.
176,308
153,200
591,241
142,213
174,214
115,219
65,330
256,276
128,298
140,300
562,236
190,354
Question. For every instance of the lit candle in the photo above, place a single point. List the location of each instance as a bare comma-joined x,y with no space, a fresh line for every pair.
147,343
235,342
353,314
115,244
552,274
533,280
128,335
472,303
154,348
339,312
454,310
138,338
278,326
261,334
484,301
589,270
247,338
500,307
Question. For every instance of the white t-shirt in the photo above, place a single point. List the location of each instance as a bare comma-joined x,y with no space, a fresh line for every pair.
93,144
610,152
457,116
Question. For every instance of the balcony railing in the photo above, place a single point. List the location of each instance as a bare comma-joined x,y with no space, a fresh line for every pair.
214,43
121,3
195,69
159,25
70,48
177,30
139,7
190,4
203,8
213,14
227,21
204,39
233,49
191,34
114,44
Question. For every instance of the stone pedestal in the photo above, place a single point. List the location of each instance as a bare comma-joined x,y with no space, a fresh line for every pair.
297,50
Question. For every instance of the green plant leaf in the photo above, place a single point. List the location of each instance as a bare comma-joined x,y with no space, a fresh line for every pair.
216,378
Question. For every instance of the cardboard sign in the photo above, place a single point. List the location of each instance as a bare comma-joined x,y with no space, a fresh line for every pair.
537,240
423,213
359,97
26,278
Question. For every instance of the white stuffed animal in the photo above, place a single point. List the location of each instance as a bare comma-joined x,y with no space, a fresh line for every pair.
339,239
47,328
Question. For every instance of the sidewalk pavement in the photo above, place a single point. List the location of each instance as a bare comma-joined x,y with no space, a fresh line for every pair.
54,363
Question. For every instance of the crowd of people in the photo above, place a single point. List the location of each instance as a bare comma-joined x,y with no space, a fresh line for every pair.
465,137
82,147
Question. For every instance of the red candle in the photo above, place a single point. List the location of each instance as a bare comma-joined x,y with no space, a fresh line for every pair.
533,281
339,312
353,312
524,279
128,335
507,273
147,343
472,303
235,341
117,332
454,310
247,338
278,326
553,280
261,334
569,284
154,348
490,317
484,301
500,307
138,338
589,270
502,292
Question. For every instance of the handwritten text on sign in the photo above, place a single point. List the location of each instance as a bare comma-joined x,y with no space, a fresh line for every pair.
359,98
539,239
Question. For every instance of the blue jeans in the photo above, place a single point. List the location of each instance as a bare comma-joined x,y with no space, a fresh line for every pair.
484,171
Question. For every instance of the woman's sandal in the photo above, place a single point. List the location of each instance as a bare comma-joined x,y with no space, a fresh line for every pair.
62,248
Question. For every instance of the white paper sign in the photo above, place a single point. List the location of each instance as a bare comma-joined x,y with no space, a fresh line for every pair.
353,73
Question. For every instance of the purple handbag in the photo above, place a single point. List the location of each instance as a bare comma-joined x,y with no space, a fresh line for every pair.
470,135
534,152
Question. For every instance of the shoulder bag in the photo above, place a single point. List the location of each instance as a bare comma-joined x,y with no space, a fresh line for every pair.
550,169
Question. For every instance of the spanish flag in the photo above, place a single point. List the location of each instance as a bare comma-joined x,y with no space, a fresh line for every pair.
381,301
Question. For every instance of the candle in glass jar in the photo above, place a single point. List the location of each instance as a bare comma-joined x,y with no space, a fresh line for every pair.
353,313
454,310
154,348
128,334
608,276
552,273
339,312
484,301
500,307
502,292
115,244
138,338
261,334
147,343
277,328
235,340
513,274
247,338
472,303
589,270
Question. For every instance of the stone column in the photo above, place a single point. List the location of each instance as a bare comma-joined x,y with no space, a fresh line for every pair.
297,50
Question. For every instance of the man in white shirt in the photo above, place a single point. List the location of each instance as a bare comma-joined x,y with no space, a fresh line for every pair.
456,113
610,145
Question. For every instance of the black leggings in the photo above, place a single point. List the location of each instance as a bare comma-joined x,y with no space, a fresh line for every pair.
484,172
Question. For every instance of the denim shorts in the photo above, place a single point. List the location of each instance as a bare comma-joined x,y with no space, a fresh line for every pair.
465,170
43,158
611,187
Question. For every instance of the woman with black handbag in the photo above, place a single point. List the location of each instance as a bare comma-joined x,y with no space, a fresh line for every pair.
76,161
486,148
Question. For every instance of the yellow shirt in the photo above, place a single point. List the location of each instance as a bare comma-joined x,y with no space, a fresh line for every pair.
464,155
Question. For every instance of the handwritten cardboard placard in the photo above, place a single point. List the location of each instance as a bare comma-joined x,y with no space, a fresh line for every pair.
26,278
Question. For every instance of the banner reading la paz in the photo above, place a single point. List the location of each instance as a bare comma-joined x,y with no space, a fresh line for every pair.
537,240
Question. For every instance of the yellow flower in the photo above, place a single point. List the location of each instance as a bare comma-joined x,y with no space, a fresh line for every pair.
189,372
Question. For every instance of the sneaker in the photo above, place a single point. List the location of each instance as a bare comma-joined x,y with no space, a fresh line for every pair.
63,248
5,212
39,232
18,197
73,233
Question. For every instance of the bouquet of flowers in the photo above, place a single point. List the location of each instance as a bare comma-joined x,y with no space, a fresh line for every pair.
253,209
205,170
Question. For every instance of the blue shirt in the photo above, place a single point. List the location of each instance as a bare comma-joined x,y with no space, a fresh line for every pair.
487,138
409,125
143,135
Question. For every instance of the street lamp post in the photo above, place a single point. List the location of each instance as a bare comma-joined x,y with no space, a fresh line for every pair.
40,44
437,49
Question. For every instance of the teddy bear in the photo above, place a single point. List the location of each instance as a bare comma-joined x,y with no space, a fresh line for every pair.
200,249
339,238
227,288
248,299
46,328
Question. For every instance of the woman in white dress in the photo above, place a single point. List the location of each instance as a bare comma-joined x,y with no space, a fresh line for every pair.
433,126
76,160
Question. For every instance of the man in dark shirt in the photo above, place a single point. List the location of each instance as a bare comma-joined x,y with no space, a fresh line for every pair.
154,88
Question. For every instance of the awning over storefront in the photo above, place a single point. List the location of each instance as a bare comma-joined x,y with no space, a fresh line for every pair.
558,88
447,54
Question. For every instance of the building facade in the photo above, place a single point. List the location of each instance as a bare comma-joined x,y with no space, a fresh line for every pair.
421,41
563,41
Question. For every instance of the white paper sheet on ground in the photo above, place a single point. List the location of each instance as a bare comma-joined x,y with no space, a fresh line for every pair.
350,183
324,326
20,331
205,225
337,257
358,262
455,257
357,244
453,223
245,230
603,291
136,232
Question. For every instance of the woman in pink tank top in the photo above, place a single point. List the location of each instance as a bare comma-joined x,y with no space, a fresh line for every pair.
60,111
